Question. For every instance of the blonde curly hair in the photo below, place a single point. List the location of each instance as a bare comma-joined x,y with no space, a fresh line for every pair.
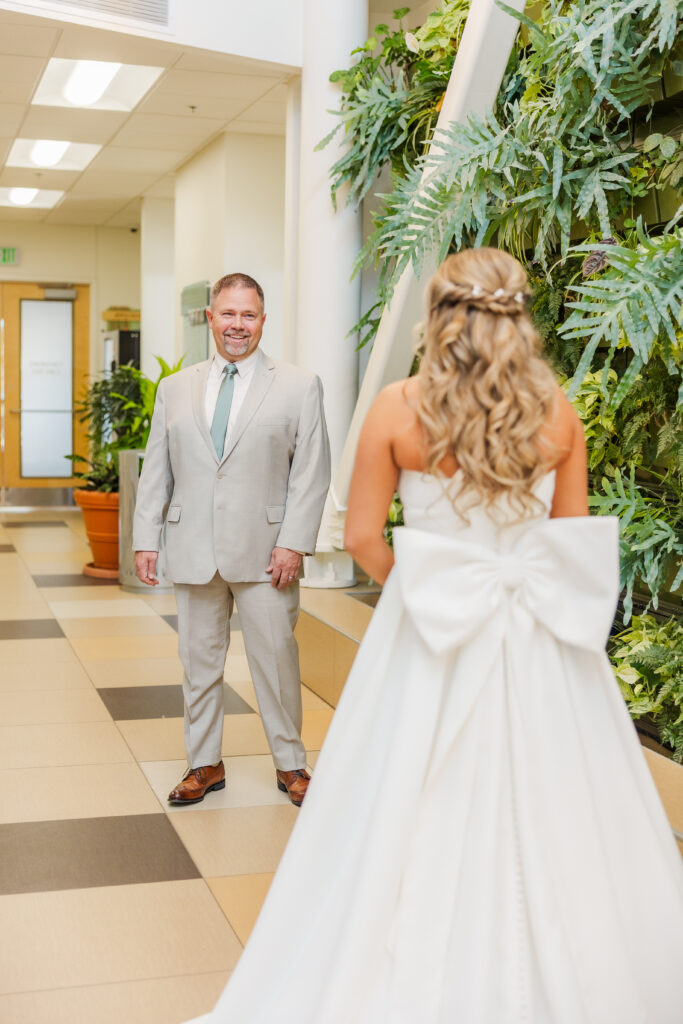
486,392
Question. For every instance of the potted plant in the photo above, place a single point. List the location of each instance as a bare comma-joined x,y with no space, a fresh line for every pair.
118,409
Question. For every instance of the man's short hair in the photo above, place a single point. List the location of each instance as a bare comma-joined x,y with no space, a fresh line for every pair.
237,281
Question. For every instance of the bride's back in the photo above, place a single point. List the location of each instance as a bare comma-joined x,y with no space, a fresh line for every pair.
484,412
484,402
427,505
559,488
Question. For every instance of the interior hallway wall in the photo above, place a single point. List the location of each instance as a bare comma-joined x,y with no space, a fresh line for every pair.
229,216
107,259
254,239
158,304
270,31
199,220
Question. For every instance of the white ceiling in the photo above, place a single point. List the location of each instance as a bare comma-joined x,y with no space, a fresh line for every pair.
199,95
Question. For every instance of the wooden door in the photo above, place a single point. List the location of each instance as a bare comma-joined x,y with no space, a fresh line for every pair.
35,431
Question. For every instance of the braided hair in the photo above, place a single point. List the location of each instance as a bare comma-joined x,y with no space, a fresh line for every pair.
486,392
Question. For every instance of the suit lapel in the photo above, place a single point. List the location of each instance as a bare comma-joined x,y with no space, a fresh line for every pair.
264,375
198,392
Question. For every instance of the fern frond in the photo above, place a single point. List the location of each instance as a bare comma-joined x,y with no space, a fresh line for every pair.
636,303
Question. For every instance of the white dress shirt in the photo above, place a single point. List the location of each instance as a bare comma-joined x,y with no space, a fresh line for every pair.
245,372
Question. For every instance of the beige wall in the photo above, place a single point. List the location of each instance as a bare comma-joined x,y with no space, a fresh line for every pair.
199,217
107,259
268,31
254,239
229,216
157,262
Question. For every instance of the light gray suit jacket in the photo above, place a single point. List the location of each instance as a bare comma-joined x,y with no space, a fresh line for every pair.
267,491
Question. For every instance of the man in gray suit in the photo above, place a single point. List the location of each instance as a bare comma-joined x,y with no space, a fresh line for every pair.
236,473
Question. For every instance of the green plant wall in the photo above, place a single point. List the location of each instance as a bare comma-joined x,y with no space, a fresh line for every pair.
577,171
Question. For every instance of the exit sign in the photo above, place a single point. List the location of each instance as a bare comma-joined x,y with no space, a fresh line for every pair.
9,256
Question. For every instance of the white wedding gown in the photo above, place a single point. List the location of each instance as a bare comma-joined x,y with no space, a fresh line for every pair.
482,842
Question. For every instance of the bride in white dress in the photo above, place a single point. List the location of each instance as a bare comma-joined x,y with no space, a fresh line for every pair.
482,842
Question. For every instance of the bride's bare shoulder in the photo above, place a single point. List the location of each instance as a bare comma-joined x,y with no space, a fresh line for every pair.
563,425
394,410
400,396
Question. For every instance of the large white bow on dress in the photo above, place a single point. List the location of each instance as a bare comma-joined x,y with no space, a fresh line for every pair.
563,573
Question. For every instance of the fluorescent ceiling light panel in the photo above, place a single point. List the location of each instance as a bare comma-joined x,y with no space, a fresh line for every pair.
30,198
48,152
75,155
88,81
22,196
76,83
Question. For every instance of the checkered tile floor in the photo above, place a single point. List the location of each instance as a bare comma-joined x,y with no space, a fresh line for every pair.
114,906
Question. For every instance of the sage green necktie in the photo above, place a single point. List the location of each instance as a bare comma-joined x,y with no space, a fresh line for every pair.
221,415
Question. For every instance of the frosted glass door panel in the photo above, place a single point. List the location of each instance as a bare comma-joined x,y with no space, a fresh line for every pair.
46,388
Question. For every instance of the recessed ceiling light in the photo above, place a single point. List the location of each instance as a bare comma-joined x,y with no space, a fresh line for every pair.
55,154
48,152
94,84
88,81
22,196
33,198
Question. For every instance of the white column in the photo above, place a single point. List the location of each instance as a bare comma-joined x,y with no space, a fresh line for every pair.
292,160
328,302
158,298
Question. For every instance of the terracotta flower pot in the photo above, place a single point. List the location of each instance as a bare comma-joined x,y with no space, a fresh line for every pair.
101,518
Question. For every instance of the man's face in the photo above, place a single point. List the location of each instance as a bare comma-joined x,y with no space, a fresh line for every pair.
236,320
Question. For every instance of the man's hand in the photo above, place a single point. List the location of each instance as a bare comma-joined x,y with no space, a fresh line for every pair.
146,567
284,567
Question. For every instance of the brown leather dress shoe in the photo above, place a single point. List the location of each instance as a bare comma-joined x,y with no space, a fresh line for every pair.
294,783
197,782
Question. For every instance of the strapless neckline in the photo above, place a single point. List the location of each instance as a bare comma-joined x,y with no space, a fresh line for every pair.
429,476
428,504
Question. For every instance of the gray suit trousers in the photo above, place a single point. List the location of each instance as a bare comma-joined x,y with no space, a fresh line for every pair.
268,617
